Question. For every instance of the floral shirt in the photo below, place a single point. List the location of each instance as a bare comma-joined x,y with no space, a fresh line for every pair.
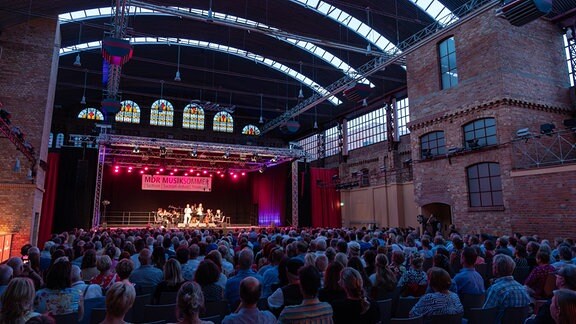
537,278
105,281
57,302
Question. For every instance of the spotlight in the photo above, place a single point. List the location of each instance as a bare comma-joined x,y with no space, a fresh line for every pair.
194,153
274,159
226,155
243,173
136,150
547,129
185,174
198,174
145,168
222,175
254,157
77,62
235,176
191,171
218,172
171,173
204,171
141,171
301,94
175,170
262,169
157,172
130,168
161,170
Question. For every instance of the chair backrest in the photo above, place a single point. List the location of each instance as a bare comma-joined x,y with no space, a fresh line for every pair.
482,316
167,297
549,285
471,301
447,319
216,319
66,318
405,304
263,304
413,320
145,290
515,315
160,312
215,308
385,307
89,305
427,264
136,314
97,315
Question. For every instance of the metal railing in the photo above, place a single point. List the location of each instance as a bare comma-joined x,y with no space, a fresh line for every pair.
128,218
543,150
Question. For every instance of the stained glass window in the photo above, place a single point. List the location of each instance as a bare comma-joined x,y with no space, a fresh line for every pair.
250,130
162,113
193,117
223,122
91,113
129,112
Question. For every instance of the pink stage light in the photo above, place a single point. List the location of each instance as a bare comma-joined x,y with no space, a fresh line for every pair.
141,171
217,172
185,174
191,170
171,173
175,170
204,171
161,170
222,175
116,167
146,168
243,173
129,168
129,171
198,174
210,176
116,171
157,172
235,176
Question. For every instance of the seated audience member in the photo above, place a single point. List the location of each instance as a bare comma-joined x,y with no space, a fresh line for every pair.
505,291
384,280
17,301
106,277
119,300
397,264
59,297
207,276
189,267
86,290
468,280
34,260
565,279
442,301
158,257
414,281
356,308
520,256
311,310
173,279
19,269
563,307
564,253
355,263
248,312
216,257
289,294
270,276
245,261
124,269
46,256
537,278
146,275
370,259
88,265
5,276
227,266
332,290
189,302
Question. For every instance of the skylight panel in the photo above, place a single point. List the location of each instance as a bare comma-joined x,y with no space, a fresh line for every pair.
433,8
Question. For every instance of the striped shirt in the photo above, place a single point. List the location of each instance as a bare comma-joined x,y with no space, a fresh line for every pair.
311,311
437,304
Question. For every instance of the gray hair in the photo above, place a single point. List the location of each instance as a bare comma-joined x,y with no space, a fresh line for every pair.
504,265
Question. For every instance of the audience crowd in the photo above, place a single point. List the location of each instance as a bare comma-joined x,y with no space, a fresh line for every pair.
289,275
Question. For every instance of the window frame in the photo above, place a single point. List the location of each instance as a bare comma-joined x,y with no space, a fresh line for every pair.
132,117
98,115
486,139
477,181
444,59
436,150
223,126
193,121
164,118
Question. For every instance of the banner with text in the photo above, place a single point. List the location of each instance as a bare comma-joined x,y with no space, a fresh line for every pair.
176,183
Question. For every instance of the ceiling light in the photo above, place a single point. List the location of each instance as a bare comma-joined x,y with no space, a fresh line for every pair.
274,159
77,62
177,77
83,101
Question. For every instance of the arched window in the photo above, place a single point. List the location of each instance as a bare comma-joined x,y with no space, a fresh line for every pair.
484,185
432,144
91,113
481,132
50,140
162,113
129,112
250,130
193,117
223,122
59,140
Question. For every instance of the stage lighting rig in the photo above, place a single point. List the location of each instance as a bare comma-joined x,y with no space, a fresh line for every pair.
163,152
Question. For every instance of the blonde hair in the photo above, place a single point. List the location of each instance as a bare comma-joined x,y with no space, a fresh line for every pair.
190,300
173,272
17,300
351,281
384,276
120,298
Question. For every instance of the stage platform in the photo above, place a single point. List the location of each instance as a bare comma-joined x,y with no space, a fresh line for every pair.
143,226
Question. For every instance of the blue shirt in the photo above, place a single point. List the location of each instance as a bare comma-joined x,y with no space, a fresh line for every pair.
469,281
270,278
250,316
232,291
147,275
506,292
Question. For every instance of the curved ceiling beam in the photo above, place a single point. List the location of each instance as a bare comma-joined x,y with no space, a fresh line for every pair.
350,22
309,47
214,47
434,9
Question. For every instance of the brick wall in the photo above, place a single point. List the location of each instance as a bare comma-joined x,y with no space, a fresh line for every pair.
27,85
517,76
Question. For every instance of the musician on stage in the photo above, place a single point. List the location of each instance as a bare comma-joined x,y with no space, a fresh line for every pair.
200,211
208,217
187,214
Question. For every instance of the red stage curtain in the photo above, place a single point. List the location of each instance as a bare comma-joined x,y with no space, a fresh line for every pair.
49,199
325,200
269,193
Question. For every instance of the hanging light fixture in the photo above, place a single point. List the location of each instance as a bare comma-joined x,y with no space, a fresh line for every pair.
177,77
369,47
301,93
261,120
210,16
315,117
83,101
77,62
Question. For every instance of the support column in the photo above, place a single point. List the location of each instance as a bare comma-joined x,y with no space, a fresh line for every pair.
295,193
98,189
